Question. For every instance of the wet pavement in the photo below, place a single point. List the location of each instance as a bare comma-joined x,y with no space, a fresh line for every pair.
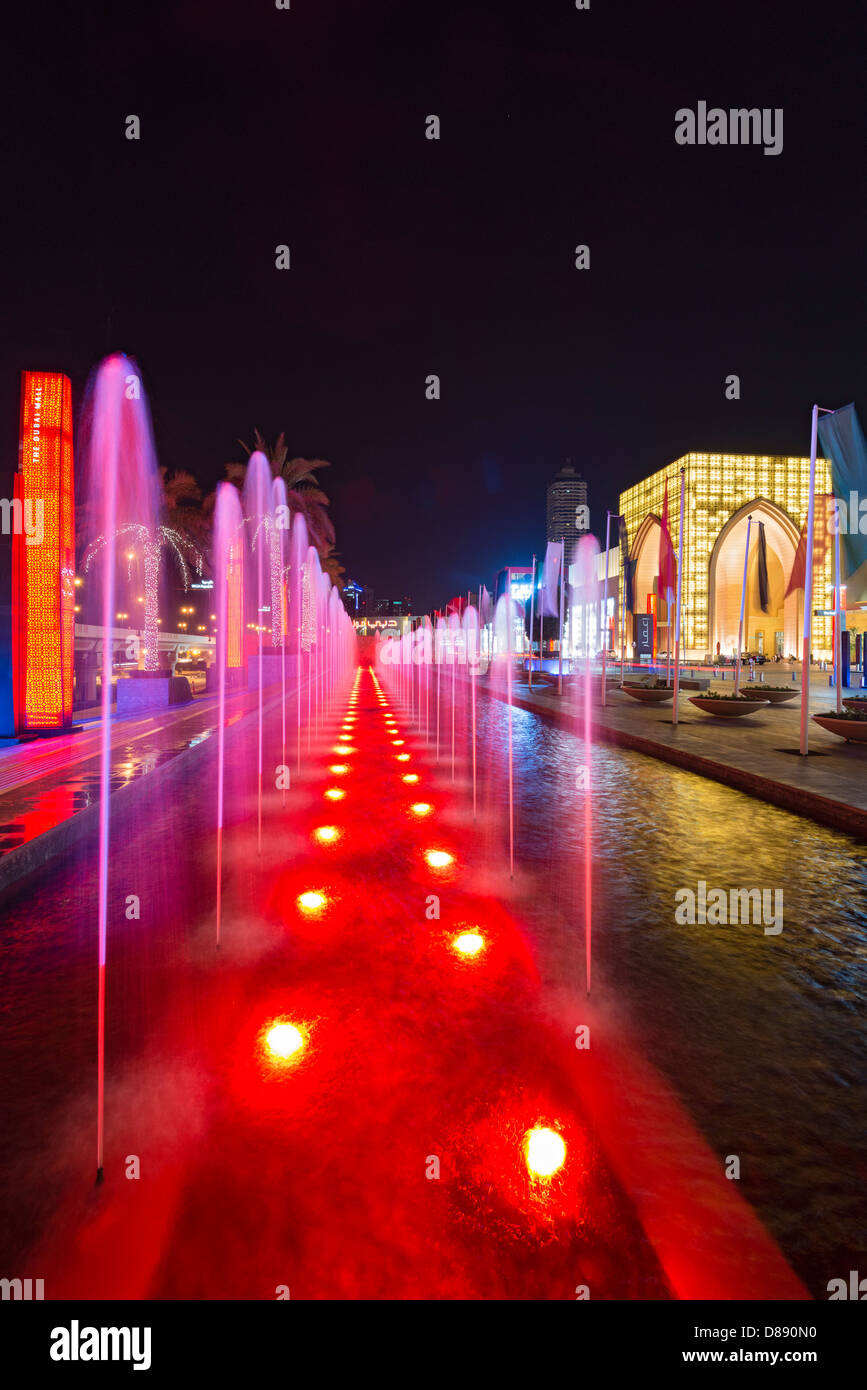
46,781
389,1160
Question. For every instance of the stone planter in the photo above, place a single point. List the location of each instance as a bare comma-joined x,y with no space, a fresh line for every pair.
650,694
856,703
853,730
781,697
727,709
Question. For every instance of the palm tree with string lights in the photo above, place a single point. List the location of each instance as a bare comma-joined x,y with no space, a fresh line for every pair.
148,543
303,494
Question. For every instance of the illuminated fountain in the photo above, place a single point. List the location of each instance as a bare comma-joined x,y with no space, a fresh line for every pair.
298,605
229,555
584,564
280,537
257,511
473,654
120,488
503,672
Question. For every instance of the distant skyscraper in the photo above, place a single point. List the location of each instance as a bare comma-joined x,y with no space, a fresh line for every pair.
567,491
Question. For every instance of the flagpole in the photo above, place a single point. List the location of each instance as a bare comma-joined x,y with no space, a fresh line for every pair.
541,614
605,605
474,675
679,596
838,623
743,601
562,599
509,628
622,602
808,591
532,610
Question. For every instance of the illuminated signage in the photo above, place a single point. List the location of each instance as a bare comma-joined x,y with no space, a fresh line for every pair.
235,606
43,556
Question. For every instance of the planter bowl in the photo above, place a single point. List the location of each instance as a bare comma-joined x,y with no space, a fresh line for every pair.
780,697
649,694
727,709
856,703
854,730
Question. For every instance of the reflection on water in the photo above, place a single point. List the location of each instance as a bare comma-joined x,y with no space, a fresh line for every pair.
43,803
761,1035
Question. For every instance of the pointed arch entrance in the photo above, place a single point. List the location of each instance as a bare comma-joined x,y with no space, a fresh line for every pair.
777,630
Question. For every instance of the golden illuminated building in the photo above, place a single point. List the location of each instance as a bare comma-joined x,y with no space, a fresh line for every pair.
721,492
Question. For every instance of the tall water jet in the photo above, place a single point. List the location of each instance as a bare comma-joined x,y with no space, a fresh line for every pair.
439,646
120,488
229,551
335,620
426,667
280,544
585,569
257,510
454,636
503,636
297,608
309,628
471,647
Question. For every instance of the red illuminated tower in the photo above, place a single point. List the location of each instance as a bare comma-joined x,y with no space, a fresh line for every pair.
43,557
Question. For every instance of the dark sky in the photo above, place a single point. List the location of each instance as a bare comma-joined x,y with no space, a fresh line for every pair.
307,127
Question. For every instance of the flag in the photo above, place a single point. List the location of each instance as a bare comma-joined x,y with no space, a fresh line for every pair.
822,522
548,597
667,562
627,566
764,598
843,444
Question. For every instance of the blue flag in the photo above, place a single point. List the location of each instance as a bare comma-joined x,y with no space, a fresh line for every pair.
843,444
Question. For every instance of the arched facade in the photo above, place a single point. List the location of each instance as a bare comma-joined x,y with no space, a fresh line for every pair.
720,491
777,631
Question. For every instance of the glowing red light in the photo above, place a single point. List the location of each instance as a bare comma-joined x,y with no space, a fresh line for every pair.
284,1040
468,943
439,858
544,1151
327,834
312,902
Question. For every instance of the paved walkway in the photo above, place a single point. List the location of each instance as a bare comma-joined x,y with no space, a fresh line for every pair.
758,754
47,783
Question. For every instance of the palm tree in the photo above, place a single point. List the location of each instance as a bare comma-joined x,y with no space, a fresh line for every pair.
304,495
331,565
150,542
184,510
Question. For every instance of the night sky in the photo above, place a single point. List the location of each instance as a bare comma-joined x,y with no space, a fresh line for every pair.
307,127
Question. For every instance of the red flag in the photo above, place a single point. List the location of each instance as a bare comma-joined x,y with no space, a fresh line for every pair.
667,563
822,514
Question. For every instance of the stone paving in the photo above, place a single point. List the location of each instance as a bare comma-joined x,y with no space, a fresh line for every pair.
757,753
